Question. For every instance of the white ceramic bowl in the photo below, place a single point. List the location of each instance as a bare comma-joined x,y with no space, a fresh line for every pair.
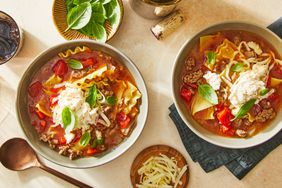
43,148
266,134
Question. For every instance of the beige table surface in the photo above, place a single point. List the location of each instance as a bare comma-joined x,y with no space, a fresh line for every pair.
155,61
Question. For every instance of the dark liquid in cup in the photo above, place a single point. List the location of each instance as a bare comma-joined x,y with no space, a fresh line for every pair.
9,39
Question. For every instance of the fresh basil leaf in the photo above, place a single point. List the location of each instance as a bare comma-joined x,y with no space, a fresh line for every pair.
99,18
91,99
94,144
95,30
75,64
70,4
105,1
111,100
245,108
113,19
98,8
78,2
111,8
85,139
264,91
238,67
211,56
100,141
207,92
79,16
66,116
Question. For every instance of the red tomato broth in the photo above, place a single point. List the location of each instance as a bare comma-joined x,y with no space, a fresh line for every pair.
213,125
112,135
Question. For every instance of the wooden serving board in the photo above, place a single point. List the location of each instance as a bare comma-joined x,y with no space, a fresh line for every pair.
155,150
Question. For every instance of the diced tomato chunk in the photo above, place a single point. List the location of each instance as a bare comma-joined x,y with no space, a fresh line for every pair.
194,86
63,141
225,116
186,94
91,151
123,120
273,97
276,72
88,62
40,114
43,123
53,101
35,89
60,68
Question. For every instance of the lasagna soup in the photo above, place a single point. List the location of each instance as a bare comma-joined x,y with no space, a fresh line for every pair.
83,102
231,83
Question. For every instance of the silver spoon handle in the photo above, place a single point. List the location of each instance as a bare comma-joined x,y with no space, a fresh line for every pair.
64,177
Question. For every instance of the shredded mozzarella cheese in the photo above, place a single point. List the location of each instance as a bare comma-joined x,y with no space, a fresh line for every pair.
160,172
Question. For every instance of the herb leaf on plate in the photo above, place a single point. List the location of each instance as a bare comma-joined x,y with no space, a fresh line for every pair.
85,139
264,91
105,1
70,4
78,2
245,108
113,13
75,64
238,67
96,30
92,96
79,16
207,92
211,56
98,13
111,100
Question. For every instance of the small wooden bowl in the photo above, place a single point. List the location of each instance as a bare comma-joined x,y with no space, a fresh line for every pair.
60,19
155,151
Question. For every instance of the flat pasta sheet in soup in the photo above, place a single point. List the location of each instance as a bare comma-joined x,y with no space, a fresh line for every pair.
83,102
232,83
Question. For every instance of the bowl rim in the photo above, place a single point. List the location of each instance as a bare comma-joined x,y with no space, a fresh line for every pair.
176,61
121,8
126,148
18,41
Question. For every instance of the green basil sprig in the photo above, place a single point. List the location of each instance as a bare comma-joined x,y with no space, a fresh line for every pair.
90,19
207,92
264,91
245,108
111,100
66,116
85,139
211,56
75,64
238,67
79,16
91,99
68,119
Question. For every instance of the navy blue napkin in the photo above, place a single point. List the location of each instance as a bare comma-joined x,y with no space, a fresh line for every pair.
210,157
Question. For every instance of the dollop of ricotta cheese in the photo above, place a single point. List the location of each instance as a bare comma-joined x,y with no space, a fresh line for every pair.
248,85
74,98
213,80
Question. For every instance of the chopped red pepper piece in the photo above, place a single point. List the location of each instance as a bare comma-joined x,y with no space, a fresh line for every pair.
63,141
53,101
88,62
40,114
91,151
35,89
123,120
43,123
224,116
186,94
60,68
276,72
